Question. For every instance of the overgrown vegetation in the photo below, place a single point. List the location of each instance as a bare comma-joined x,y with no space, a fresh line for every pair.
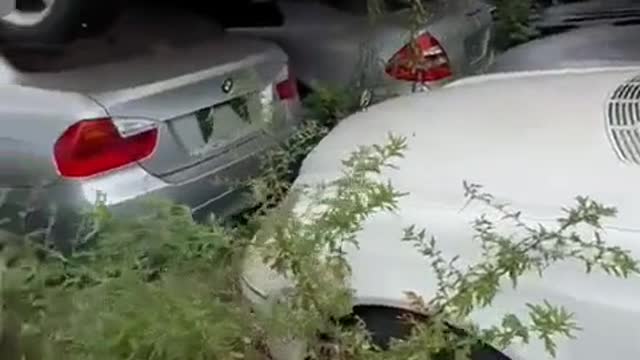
174,292
513,22
162,287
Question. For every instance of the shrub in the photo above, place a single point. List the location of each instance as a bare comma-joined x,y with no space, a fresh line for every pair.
512,22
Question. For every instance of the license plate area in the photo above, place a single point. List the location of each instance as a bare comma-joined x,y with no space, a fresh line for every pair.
211,128
223,122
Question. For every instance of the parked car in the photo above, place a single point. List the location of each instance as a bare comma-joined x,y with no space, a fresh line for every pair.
594,46
334,43
174,112
535,140
567,16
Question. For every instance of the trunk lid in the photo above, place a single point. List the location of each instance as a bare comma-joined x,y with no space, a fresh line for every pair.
205,113
182,80
543,142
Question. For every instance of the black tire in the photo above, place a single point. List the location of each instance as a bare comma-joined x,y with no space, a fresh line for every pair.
67,20
385,324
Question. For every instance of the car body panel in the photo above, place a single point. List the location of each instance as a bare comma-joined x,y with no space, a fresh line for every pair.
332,47
536,147
595,46
31,122
6,7
588,13
581,136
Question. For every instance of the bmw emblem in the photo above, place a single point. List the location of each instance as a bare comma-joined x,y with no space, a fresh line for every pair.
227,86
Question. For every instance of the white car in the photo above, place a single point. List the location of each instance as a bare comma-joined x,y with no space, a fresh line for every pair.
533,139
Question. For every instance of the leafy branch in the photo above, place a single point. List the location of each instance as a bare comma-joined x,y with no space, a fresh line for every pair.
530,248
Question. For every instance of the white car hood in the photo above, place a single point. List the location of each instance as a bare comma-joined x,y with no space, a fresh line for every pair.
535,141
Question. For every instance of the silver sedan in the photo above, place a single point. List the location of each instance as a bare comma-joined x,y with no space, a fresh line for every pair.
334,43
178,116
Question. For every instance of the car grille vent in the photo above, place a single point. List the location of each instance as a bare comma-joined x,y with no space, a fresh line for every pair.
623,120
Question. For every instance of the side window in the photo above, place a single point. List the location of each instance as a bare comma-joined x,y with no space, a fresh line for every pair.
250,13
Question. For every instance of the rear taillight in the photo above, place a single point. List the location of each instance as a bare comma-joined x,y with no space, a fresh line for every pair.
287,88
91,147
422,61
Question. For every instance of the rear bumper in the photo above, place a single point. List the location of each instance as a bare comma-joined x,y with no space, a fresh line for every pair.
127,193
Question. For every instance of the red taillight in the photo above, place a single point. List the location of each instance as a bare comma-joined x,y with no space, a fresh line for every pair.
91,147
287,89
424,60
